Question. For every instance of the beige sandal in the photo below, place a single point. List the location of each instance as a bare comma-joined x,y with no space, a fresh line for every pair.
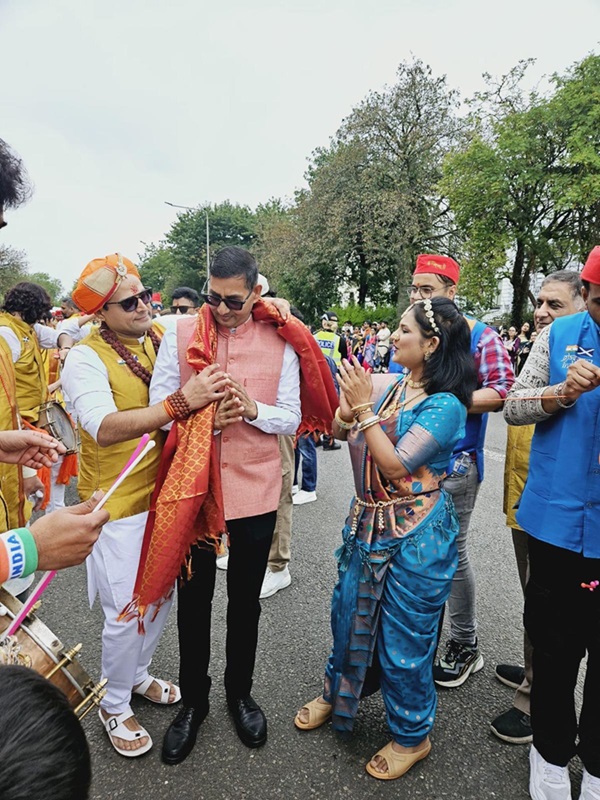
397,763
318,714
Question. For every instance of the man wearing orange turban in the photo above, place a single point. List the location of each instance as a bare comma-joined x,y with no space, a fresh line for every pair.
106,377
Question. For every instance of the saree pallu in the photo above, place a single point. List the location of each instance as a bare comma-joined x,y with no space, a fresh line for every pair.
385,613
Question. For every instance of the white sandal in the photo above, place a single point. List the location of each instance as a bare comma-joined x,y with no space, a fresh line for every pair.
165,687
114,726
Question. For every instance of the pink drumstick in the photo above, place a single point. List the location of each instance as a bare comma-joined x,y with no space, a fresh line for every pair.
143,447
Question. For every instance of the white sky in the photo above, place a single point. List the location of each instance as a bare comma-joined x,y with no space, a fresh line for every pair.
118,105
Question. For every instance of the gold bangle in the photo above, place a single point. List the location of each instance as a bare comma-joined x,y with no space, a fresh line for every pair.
345,426
363,406
368,422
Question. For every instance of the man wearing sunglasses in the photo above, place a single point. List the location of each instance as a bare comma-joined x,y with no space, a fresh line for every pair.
185,300
262,402
107,377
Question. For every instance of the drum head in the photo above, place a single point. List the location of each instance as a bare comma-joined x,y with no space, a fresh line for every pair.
55,420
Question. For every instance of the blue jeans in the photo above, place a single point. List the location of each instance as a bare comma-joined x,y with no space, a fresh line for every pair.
306,448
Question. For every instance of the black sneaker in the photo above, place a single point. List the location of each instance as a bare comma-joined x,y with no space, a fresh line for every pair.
458,662
510,675
513,726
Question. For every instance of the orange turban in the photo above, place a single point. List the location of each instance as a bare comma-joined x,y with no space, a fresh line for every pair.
99,281
591,269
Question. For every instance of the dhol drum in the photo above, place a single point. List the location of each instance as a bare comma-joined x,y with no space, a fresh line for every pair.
55,421
34,645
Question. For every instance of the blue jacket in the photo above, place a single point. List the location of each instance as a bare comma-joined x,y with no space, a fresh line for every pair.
561,500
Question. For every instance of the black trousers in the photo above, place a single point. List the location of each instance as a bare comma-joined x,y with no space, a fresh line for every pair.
249,544
562,620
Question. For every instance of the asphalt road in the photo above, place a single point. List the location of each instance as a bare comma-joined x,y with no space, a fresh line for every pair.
466,763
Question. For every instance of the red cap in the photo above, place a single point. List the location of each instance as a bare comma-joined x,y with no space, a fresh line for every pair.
438,265
591,269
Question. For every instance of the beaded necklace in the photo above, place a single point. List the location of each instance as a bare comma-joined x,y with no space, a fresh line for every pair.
414,384
111,339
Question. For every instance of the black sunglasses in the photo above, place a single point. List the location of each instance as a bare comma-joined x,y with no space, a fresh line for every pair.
131,303
182,309
215,301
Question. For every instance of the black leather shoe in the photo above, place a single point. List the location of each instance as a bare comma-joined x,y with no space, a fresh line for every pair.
250,722
180,737
332,445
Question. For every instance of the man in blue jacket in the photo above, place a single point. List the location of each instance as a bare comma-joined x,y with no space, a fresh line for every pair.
560,511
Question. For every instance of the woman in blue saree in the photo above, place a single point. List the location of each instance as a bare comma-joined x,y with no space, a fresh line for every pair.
399,553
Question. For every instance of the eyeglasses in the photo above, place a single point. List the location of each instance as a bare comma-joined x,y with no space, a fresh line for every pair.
215,301
131,303
425,292
181,309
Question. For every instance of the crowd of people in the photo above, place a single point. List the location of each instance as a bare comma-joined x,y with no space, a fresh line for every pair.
235,393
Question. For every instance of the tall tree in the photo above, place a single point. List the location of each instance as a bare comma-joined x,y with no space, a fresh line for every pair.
526,187
228,224
180,259
372,201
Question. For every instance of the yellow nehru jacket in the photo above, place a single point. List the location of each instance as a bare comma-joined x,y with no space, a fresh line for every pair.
30,371
100,466
14,509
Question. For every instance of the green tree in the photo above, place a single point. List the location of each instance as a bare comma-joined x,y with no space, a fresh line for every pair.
13,268
526,187
372,201
52,285
228,224
159,269
180,259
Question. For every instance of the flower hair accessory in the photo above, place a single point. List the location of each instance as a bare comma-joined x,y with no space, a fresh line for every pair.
427,307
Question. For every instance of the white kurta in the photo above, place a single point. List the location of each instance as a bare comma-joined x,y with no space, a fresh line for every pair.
113,564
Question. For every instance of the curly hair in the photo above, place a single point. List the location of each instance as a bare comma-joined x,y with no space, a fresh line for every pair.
31,300
15,187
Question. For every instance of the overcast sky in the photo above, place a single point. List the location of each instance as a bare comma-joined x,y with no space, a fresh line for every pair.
118,105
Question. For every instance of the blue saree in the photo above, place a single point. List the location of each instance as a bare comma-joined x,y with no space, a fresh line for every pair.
395,565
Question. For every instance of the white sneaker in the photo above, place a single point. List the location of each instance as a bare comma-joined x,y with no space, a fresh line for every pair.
223,561
274,581
302,497
295,489
590,787
547,781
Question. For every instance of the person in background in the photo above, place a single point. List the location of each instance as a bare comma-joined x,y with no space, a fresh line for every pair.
523,348
512,344
185,300
334,347
382,357
68,307
369,346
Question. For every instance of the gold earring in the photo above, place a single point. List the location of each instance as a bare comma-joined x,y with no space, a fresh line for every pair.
427,356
